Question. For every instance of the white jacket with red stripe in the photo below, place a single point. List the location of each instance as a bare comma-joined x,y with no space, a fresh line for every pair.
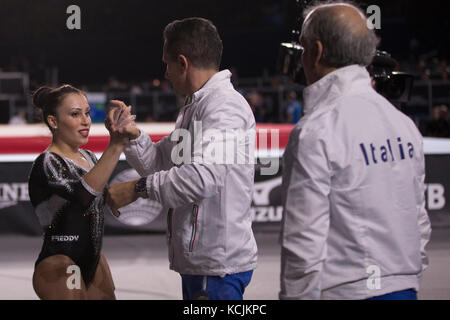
210,226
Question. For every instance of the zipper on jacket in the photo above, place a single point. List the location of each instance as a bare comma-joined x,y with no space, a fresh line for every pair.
194,227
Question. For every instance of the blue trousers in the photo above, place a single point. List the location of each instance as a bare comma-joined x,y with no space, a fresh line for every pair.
399,295
230,287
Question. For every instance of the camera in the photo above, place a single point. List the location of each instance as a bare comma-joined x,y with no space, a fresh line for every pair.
393,85
289,63
289,55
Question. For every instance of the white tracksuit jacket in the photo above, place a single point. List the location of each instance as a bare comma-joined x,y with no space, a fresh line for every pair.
210,228
354,223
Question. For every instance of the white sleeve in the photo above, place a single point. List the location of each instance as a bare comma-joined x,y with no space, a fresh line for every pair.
202,178
305,218
146,156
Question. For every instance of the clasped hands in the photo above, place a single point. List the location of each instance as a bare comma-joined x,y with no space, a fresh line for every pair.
120,122
121,126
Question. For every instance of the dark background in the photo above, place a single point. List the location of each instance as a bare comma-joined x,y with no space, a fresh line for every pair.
122,38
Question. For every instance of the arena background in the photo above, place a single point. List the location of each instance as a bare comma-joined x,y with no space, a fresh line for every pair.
117,54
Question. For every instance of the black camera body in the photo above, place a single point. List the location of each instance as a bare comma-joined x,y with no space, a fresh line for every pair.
395,86
290,53
289,61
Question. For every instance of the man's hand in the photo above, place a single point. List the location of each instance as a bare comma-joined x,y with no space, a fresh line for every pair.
119,120
120,194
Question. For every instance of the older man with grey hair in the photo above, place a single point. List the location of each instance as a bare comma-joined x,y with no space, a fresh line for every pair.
354,219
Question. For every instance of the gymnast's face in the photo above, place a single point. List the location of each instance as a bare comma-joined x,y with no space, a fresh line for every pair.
72,120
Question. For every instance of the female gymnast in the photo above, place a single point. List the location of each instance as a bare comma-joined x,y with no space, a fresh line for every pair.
66,187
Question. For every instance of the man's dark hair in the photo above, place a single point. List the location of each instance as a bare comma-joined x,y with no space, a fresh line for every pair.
195,38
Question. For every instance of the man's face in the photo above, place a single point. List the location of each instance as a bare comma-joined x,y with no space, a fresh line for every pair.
175,72
307,60
310,54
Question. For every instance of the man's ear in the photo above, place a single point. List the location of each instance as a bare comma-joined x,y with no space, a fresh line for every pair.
318,52
183,62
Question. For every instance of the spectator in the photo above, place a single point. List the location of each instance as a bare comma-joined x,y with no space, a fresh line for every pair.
115,85
259,108
234,76
294,108
443,69
439,125
423,70
19,118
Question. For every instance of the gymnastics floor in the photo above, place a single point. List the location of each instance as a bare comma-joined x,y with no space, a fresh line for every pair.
140,267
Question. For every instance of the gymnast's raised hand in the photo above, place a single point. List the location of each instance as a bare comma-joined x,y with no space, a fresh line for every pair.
120,122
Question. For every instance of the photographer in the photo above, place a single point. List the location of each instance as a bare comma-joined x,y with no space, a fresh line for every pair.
354,219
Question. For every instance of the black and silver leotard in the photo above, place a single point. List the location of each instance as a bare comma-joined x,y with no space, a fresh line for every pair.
70,211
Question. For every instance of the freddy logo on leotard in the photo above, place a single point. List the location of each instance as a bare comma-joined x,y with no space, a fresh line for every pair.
65,238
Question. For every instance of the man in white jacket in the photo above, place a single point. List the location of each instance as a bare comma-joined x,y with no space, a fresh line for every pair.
196,171
354,219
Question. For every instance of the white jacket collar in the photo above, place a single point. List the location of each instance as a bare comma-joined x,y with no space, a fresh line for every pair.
342,80
221,78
